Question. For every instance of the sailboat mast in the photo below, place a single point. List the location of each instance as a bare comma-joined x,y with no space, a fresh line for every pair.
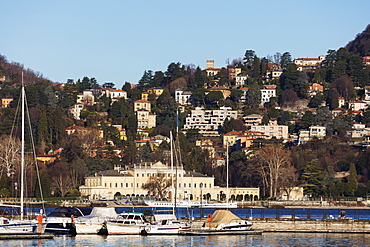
22,151
227,172
173,187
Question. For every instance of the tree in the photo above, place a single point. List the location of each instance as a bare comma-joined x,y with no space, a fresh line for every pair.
146,80
316,100
235,95
312,177
254,95
199,96
323,116
285,59
200,78
178,84
158,185
288,98
332,100
277,57
214,97
248,57
9,154
256,66
344,86
108,85
352,180
271,161
174,71
288,179
60,178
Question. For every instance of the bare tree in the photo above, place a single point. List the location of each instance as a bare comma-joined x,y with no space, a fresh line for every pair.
158,185
271,160
10,154
288,179
60,178
89,139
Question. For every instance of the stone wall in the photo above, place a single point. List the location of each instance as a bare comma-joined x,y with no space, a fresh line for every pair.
314,225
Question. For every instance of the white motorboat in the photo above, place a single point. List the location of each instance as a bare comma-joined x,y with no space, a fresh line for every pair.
225,220
165,224
125,224
190,204
92,223
61,220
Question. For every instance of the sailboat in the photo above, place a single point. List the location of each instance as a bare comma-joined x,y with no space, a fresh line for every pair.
198,204
167,223
21,226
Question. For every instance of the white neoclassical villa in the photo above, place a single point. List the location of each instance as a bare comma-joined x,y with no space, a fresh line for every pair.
190,184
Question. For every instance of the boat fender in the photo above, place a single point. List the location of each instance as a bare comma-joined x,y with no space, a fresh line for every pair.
209,218
73,218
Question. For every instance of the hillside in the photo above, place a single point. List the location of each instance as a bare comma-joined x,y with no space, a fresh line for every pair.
10,72
361,44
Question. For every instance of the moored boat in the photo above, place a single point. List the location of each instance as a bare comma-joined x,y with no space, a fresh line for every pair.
125,224
61,220
92,223
225,220
165,224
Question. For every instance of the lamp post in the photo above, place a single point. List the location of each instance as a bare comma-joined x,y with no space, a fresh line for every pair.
201,199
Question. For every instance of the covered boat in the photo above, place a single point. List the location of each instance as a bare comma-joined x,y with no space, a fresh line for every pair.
92,223
225,220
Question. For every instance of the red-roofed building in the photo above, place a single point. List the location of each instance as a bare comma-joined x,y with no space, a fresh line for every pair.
356,105
243,98
231,138
142,104
309,64
315,88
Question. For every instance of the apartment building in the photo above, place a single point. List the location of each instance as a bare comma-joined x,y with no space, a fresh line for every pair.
208,121
277,131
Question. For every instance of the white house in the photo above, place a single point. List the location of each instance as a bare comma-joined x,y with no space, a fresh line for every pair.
267,92
75,110
357,105
183,97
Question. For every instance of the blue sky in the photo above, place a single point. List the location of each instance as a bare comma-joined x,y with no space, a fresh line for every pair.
116,40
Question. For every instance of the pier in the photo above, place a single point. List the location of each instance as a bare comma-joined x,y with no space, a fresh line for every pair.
312,225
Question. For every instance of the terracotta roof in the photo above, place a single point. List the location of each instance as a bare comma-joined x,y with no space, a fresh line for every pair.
142,101
269,86
307,59
233,133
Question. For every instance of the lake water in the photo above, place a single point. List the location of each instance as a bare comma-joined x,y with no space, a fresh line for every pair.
302,213
266,239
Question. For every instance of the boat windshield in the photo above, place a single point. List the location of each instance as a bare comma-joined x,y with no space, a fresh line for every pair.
65,212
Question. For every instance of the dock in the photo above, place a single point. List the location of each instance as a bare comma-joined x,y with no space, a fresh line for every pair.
218,232
9,236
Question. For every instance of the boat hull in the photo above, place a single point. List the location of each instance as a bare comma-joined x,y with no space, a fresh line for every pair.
88,228
123,229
